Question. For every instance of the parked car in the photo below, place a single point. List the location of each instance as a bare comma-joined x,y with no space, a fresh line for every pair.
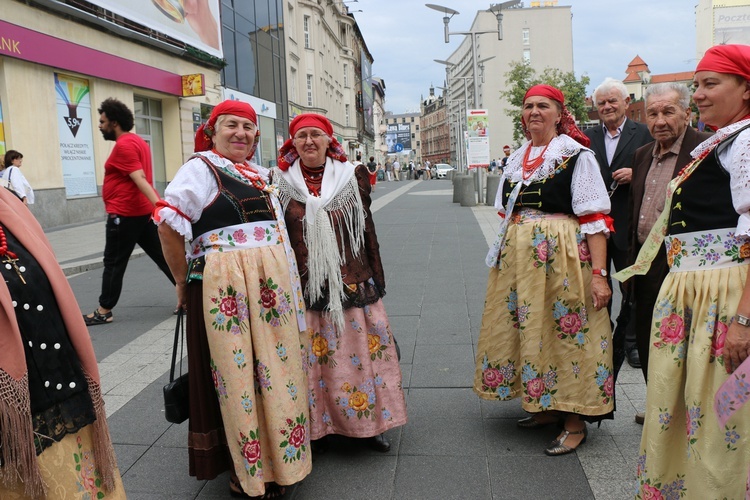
442,169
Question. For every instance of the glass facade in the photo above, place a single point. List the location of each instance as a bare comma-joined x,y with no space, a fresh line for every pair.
253,36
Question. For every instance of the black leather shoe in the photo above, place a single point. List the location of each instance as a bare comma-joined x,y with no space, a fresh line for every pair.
634,359
379,443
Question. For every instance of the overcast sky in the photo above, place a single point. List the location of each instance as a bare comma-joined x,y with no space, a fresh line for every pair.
404,37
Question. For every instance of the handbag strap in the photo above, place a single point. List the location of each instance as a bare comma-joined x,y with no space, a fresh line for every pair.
178,329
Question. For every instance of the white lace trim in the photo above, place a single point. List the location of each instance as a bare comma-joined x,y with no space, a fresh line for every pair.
719,136
560,147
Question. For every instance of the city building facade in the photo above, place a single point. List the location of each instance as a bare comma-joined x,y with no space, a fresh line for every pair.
721,22
542,36
435,134
60,59
330,71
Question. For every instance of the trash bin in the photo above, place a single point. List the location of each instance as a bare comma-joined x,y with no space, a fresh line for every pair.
456,188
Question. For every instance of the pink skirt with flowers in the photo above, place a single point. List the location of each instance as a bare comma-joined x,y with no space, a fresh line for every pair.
541,339
354,376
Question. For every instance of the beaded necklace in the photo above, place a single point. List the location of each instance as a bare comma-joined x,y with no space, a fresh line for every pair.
10,258
313,177
529,167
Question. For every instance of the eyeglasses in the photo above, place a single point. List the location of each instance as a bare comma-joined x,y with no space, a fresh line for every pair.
612,188
315,136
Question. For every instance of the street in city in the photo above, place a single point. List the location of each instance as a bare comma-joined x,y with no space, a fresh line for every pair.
455,446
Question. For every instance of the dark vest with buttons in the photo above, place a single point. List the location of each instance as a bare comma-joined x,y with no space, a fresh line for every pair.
551,194
237,203
704,200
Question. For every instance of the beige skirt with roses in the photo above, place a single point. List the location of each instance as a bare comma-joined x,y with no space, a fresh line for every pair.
541,339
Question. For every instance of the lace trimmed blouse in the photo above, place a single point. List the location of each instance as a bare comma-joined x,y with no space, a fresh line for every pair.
589,194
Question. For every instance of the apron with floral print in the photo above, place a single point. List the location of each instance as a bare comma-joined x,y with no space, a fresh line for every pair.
541,339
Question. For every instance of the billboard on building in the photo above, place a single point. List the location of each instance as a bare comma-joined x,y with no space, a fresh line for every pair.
398,137
368,98
75,129
732,25
199,28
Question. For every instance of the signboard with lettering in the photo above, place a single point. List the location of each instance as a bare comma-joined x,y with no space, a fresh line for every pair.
75,129
477,126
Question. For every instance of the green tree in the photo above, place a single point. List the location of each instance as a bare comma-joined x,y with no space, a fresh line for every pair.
522,76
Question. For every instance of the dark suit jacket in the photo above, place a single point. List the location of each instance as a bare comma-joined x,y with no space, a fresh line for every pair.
634,135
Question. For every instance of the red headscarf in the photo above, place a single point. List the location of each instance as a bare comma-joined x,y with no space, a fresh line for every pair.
288,153
567,124
206,131
728,59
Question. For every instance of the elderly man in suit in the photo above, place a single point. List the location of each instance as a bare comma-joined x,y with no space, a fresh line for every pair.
654,165
614,144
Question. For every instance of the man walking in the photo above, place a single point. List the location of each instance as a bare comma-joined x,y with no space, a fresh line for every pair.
654,165
396,168
129,199
614,144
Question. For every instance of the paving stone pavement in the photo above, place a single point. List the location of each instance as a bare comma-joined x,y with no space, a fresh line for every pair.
455,446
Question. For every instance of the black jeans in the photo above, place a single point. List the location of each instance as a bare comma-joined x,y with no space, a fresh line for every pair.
122,235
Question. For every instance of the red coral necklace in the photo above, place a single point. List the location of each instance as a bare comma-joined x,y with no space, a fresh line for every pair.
10,258
530,166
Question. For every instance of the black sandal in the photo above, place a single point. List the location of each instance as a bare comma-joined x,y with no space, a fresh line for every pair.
98,318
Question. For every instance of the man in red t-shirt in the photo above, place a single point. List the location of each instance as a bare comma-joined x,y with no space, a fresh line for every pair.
129,198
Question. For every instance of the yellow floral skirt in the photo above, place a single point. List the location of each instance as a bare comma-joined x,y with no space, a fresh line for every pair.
684,451
541,339
256,364
68,471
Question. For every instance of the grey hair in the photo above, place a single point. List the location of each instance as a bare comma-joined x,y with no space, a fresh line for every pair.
658,89
610,83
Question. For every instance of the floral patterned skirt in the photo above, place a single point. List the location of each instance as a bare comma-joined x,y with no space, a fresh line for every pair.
257,366
684,450
354,376
541,339
68,471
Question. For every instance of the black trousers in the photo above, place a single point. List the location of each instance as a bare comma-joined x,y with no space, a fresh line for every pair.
122,235
618,258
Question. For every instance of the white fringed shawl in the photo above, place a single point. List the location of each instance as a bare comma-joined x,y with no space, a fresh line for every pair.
339,198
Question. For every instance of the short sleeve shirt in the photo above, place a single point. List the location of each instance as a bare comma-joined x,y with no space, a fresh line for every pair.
120,194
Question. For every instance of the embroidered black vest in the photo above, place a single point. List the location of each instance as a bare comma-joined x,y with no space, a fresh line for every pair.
551,194
704,200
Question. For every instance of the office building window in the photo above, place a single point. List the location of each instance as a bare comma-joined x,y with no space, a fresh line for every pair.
309,90
306,30
525,36
346,110
527,55
346,76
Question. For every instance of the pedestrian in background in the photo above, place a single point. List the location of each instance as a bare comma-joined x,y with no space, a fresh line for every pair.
389,169
129,198
245,312
396,169
355,386
54,433
545,334
14,179
372,169
695,437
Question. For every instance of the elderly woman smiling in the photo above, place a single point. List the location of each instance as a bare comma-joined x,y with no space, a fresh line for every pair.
245,311
545,334
354,374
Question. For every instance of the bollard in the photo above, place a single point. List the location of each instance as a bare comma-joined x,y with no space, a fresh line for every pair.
457,188
468,191
493,183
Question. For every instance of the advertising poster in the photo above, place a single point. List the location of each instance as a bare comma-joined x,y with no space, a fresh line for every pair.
199,27
398,137
3,149
75,130
478,137
732,25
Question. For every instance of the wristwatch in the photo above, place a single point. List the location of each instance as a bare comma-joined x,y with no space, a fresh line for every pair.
600,272
742,320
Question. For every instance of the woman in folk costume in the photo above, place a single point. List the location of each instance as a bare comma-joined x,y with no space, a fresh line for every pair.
245,313
354,374
545,334
696,437
54,439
